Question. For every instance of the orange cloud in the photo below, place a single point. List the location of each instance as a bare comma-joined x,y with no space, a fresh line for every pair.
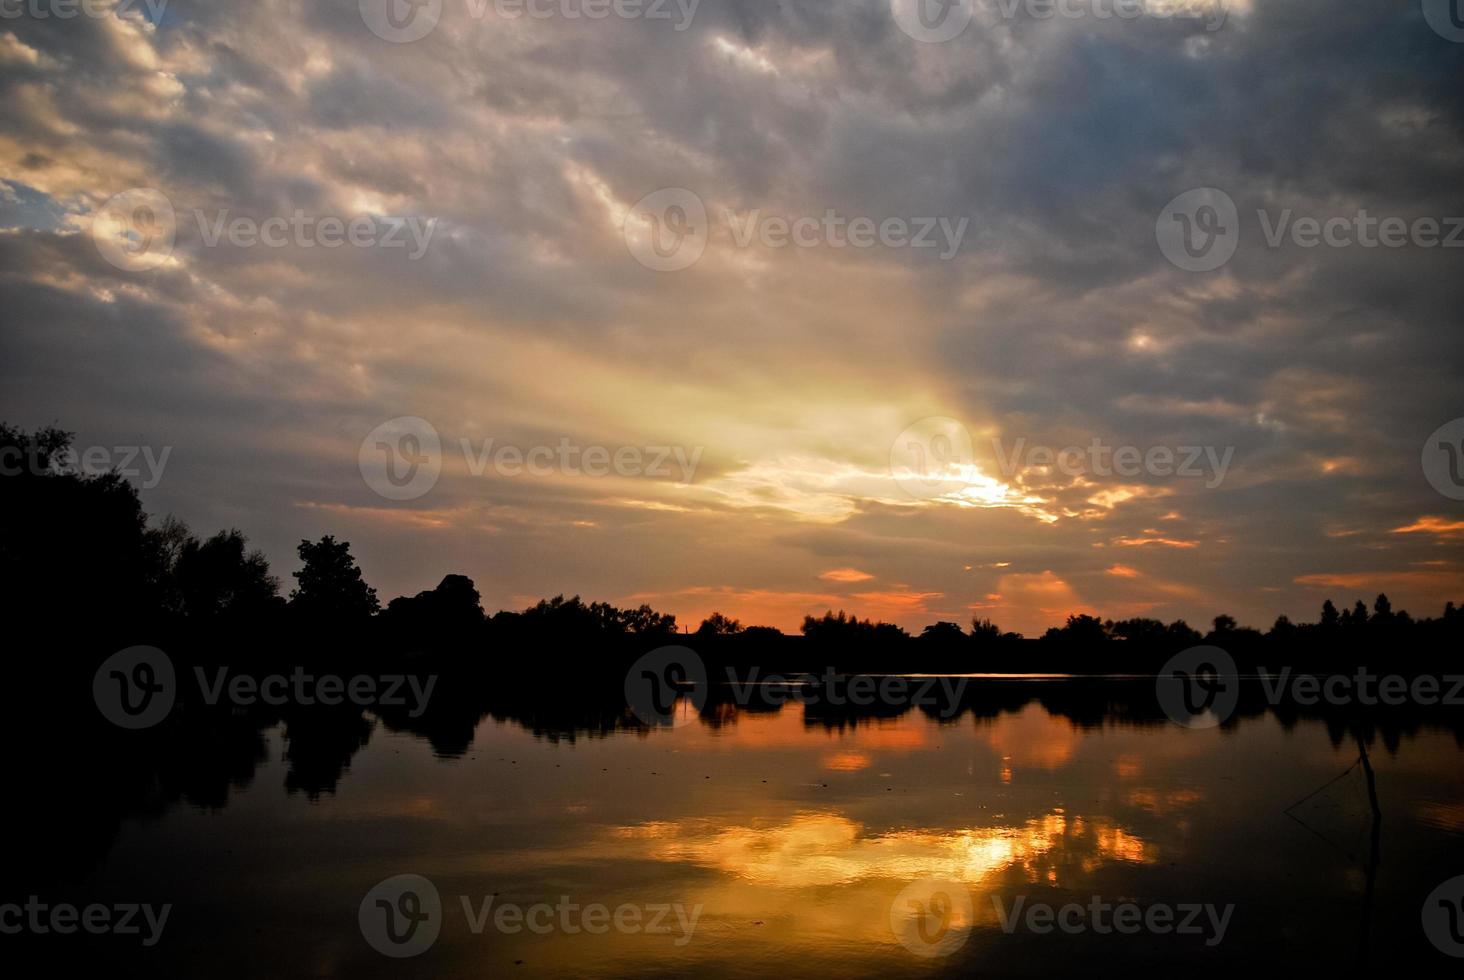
1123,571
888,605
1367,581
1032,602
1161,542
1433,525
754,607
846,575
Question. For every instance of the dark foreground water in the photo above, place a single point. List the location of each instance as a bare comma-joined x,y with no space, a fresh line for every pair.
780,842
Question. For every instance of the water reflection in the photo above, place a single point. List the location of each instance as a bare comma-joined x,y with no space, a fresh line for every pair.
794,828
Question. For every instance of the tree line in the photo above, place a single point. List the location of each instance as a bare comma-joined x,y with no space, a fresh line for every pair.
74,544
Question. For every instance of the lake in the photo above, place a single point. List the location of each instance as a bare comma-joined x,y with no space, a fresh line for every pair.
1053,827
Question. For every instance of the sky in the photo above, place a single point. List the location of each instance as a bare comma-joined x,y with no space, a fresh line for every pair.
761,307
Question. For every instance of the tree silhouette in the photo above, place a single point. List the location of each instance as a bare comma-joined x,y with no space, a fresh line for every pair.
75,544
942,632
217,578
451,614
718,625
330,585
69,543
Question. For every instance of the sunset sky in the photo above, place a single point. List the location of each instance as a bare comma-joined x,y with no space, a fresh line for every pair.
787,373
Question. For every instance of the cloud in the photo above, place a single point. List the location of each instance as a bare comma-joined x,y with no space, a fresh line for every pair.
792,369
845,575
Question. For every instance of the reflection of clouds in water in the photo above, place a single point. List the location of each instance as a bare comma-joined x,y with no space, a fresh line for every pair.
815,849
1162,802
1032,738
788,728
1445,816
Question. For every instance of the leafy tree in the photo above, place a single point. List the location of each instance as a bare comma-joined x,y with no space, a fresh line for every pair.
70,544
646,622
943,632
1182,635
217,577
451,614
847,629
1140,631
718,625
329,585
1079,630
984,630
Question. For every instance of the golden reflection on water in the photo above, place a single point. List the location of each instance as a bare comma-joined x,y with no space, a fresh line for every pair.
792,833
824,848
